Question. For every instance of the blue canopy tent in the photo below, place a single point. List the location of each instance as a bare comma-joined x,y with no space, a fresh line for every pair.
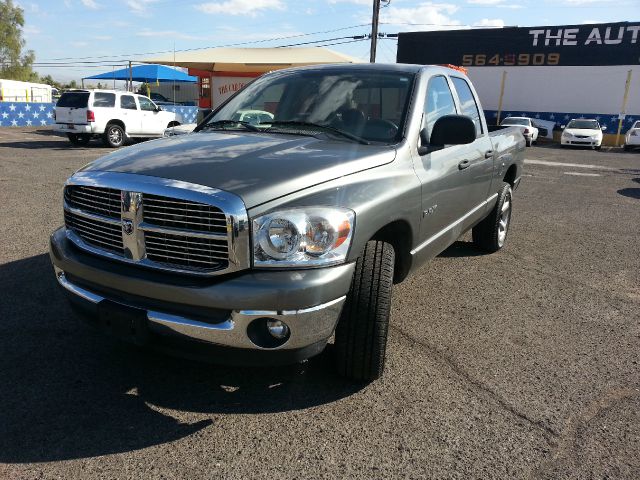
146,73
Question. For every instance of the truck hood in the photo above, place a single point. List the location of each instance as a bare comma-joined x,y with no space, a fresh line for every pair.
258,167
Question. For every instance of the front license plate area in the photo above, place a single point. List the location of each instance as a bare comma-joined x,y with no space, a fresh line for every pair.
124,322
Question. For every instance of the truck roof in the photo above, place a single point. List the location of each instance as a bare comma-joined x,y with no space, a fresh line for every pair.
383,67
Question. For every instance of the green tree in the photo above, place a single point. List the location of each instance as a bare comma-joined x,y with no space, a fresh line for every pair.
14,63
48,79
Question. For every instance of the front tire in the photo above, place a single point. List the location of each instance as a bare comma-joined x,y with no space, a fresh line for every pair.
528,143
361,334
491,233
113,136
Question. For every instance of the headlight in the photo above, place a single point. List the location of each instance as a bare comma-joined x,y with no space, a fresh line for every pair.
302,237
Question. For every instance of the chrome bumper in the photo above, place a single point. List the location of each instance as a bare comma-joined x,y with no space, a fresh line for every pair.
307,325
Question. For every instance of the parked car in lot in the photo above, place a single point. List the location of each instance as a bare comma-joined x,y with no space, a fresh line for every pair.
253,117
115,116
255,244
632,138
583,132
529,129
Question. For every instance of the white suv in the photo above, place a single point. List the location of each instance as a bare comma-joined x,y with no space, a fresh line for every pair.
113,115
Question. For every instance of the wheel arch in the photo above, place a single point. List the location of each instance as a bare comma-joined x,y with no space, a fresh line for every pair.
398,234
511,175
173,123
115,121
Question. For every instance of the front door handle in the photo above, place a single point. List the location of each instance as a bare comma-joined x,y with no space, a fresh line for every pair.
488,154
463,164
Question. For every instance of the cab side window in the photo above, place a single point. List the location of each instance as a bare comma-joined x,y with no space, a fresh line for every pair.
128,102
468,102
439,102
146,104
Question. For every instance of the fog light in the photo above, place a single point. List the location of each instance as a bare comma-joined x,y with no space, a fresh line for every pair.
277,328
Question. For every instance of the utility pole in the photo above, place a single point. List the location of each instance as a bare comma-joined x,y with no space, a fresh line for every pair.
130,89
374,30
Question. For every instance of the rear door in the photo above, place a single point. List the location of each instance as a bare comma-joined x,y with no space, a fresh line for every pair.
72,108
130,113
479,153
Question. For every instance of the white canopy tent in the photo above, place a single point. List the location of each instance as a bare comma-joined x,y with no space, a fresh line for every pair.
257,60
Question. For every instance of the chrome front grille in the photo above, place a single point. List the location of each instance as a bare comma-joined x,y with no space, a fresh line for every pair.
186,251
96,232
98,200
183,214
157,223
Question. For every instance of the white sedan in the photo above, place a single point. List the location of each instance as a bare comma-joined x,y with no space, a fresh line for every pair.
632,138
582,132
527,126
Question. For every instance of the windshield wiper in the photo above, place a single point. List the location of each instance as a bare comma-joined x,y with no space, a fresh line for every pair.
222,123
325,128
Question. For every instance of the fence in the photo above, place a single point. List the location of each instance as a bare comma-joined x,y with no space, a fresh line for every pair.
38,114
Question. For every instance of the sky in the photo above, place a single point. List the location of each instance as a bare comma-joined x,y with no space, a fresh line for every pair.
114,31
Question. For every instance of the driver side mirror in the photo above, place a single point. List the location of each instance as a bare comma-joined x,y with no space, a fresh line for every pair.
604,127
448,130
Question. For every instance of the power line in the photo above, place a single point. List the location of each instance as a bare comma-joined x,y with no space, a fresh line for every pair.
116,57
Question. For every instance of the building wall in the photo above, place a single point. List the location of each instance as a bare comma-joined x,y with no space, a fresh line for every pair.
181,92
559,89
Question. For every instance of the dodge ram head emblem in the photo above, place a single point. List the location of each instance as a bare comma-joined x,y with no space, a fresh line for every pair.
127,227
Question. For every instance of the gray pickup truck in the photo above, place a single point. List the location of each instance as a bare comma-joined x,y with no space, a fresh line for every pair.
257,243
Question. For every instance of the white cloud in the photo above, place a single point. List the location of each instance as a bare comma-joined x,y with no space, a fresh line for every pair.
358,2
432,15
140,7
490,22
485,2
103,38
79,44
240,7
90,4
167,33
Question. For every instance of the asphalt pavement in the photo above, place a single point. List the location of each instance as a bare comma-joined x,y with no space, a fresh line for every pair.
517,365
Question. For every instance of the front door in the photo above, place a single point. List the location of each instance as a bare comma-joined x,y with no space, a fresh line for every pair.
448,178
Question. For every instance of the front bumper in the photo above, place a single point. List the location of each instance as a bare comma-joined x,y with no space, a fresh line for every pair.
216,312
73,128
581,142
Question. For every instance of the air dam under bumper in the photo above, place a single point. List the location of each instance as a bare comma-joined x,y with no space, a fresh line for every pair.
308,301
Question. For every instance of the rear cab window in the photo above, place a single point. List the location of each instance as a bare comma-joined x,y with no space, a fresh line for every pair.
74,100
104,99
468,103
128,102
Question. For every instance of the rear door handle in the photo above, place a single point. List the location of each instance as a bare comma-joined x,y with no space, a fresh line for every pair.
463,164
488,154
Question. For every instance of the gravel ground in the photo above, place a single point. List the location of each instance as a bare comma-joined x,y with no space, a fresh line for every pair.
521,364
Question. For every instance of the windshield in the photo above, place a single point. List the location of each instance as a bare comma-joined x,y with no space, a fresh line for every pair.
636,125
584,125
516,121
366,105
74,100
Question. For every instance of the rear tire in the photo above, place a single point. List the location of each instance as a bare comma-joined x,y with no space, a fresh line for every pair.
491,233
627,148
113,136
79,139
361,334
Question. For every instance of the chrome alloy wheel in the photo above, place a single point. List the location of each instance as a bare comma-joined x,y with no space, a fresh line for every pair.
505,217
115,135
